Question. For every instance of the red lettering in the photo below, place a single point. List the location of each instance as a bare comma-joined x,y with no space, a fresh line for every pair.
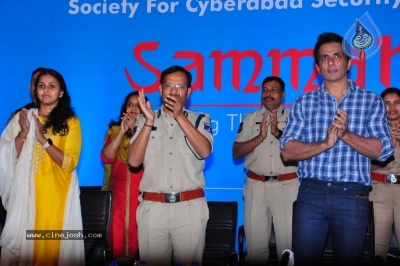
296,55
198,62
310,86
237,57
386,55
137,53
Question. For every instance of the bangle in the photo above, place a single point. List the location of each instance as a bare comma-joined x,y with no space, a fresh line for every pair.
258,140
23,139
148,125
115,144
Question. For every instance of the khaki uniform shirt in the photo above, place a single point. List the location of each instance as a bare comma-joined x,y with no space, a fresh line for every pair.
265,158
391,165
170,163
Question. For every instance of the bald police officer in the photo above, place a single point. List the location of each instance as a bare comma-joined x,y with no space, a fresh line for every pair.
172,144
271,186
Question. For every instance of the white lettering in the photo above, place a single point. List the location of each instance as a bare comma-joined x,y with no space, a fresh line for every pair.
103,8
86,8
202,7
233,122
240,4
216,5
72,5
214,126
96,10
293,4
162,7
114,8
269,5
189,7
229,5
173,5
318,5
345,3
150,5
254,6
356,2
132,7
281,4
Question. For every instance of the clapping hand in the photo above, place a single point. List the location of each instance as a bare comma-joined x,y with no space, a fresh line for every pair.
24,122
395,133
128,122
341,123
146,108
274,123
40,137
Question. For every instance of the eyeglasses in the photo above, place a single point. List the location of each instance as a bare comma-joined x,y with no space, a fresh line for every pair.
273,89
176,86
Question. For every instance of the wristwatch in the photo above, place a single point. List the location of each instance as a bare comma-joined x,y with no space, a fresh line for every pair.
48,143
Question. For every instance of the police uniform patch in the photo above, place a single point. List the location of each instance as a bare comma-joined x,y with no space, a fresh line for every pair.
240,128
207,127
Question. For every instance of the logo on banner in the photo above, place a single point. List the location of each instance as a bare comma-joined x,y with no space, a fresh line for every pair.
363,39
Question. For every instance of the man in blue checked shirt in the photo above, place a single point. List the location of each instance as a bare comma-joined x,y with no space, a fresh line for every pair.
334,132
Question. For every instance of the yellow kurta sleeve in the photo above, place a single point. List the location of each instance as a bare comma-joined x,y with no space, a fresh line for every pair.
71,145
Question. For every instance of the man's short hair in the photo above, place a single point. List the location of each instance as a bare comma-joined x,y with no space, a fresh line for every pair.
174,69
277,79
326,37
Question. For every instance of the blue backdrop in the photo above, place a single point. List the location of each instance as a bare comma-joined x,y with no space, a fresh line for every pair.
107,48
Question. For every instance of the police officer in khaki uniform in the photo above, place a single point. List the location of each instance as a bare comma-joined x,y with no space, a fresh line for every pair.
385,192
271,186
172,144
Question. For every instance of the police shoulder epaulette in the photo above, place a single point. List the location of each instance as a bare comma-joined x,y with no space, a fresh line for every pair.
195,112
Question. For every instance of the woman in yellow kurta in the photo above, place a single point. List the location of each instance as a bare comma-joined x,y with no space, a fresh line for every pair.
47,142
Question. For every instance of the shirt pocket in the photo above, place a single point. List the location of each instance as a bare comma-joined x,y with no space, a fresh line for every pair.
183,143
155,144
254,130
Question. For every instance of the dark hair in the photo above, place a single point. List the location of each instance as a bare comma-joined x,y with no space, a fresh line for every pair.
277,79
174,69
58,118
123,110
389,91
39,69
326,37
